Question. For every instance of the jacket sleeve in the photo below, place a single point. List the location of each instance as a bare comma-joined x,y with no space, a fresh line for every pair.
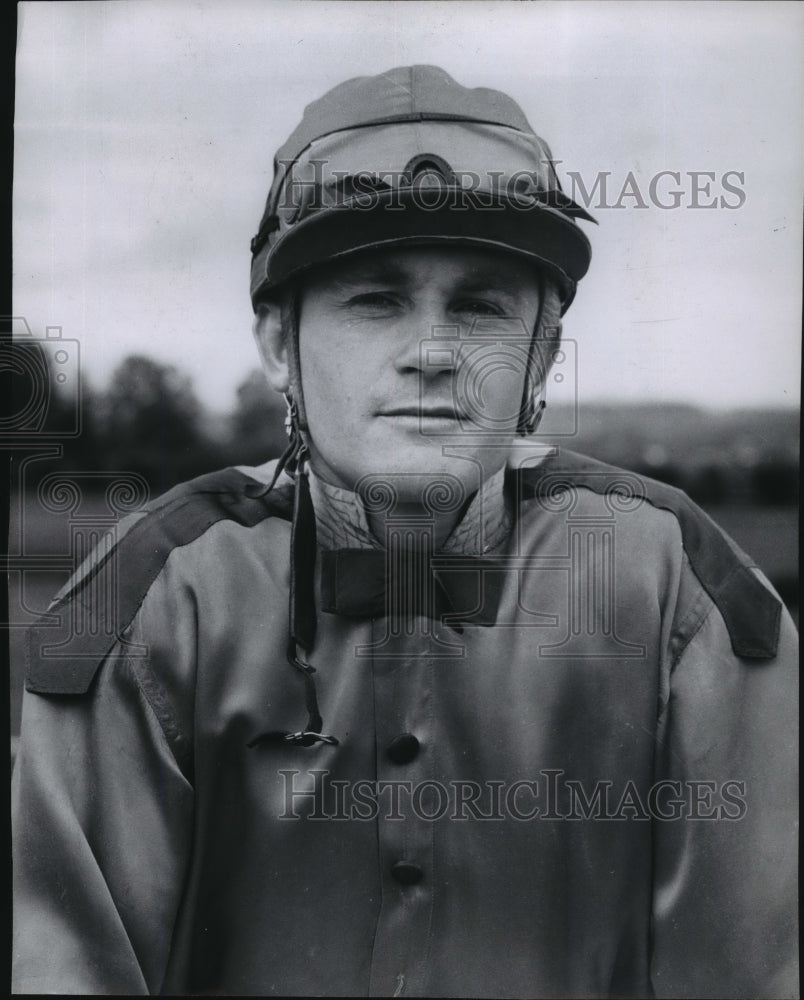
101,828
724,906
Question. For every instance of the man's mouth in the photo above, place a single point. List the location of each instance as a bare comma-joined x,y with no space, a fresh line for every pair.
422,412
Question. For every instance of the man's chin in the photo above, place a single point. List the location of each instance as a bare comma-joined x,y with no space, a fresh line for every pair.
418,469
443,484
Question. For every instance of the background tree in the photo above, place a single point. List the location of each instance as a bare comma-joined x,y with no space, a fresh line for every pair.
256,427
154,424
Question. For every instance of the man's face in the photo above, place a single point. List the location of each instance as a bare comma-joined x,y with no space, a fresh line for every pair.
410,353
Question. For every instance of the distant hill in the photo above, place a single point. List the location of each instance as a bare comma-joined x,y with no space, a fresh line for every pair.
676,434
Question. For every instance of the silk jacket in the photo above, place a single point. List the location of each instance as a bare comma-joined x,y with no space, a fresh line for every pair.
575,778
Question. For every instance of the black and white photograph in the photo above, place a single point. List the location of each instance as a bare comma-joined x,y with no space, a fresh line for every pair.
403,455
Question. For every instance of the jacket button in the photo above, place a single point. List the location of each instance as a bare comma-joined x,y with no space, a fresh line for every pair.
407,873
403,749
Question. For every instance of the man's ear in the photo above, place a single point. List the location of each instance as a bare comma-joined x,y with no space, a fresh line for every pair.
268,333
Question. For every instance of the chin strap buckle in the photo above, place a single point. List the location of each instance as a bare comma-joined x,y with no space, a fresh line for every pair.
308,738
304,738
533,417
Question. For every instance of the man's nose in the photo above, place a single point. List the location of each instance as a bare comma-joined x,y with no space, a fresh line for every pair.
429,347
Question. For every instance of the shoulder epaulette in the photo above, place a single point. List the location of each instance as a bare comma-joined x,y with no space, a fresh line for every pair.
100,603
751,612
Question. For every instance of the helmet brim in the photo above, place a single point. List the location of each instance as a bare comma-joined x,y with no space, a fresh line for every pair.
539,232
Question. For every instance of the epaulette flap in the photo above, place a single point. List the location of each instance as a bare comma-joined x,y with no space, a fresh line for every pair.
752,613
95,610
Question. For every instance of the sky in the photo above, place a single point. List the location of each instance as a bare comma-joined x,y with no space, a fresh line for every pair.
145,132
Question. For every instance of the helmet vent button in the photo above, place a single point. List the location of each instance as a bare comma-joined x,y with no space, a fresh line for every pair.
428,163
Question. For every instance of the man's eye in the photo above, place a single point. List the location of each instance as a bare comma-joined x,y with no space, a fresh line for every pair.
478,307
373,300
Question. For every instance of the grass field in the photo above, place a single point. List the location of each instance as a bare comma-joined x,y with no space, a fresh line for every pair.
768,534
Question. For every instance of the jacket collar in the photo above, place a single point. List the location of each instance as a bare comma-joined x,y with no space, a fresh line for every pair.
341,520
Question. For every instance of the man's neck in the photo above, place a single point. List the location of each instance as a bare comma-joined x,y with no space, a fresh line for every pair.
478,524
413,526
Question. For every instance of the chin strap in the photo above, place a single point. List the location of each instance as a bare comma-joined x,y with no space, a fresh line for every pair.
301,612
546,338
301,607
290,334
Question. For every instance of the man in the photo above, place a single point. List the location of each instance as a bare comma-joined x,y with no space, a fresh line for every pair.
423,708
